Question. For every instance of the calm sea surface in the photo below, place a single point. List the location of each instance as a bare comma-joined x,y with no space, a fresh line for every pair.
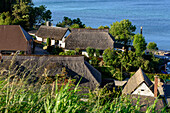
153,15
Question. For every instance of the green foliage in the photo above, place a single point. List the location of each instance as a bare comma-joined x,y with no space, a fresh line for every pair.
39,15
70,52
60,97
130,62
123,32
97,51
78,51
139,44
68,22
152,46
88,27
109,57
5,18
90,51
75,26
48,42
24,14
103,27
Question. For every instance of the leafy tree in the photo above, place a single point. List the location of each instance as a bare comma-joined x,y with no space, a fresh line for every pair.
78,51
103,27
48,42
21,15
108,56
152,46
123,32
68,22
97,51
139,44
5,18
90,51
75,26
39,15
88,27
71,52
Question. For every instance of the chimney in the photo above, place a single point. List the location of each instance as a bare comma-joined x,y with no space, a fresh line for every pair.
156,86
48,23
141,28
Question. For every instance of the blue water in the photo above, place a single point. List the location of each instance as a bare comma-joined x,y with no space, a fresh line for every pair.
153,15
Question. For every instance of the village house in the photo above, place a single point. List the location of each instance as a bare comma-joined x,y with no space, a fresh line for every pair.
56,34
15,38
95,38
140,86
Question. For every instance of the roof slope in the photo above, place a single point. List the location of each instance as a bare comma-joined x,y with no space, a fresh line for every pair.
95,38
56,33
136,80
13,37
75,65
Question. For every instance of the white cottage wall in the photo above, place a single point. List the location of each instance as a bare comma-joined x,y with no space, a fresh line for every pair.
143,90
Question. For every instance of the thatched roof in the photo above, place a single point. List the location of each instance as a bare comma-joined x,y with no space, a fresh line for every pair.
135,81
56,33
13,37
147,101
75,65
95,38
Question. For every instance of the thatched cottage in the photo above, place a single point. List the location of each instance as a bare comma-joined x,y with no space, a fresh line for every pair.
94,38
76,68
14,38
56,34
140,84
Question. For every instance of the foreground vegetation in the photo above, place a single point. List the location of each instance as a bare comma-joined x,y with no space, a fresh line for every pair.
17,94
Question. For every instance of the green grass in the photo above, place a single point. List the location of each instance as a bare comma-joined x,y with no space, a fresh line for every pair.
19,97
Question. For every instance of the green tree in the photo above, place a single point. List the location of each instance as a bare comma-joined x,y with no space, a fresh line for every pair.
68,22
5,18
123,32
152,46
48,42
97,51
21,15
139,44
108,56
103,27
90,51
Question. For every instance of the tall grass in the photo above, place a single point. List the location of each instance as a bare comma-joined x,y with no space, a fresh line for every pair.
17,96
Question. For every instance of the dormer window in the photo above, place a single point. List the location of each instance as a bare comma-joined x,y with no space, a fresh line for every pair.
142,90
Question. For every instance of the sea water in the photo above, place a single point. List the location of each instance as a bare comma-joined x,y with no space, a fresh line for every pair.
153,15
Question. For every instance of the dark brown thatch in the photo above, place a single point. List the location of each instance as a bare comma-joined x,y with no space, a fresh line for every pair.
13,38
75,66
95,38
146,102
135,81
56,33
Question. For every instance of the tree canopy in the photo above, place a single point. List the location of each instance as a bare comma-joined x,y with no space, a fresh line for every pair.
152,46
139,44
123,32
21,12
68,22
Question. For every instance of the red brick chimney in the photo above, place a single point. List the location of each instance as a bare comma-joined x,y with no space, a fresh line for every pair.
156,86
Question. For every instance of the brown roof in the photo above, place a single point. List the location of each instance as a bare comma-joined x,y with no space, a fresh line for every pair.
147,101
56,33
95,38
76,67
13,37
135,81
